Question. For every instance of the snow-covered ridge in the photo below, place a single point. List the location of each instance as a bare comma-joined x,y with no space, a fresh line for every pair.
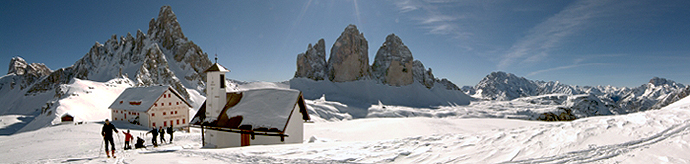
163,56
653,95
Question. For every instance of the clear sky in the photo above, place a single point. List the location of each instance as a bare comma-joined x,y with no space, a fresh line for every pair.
581,42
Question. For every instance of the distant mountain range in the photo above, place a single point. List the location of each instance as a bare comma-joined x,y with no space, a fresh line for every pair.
657,93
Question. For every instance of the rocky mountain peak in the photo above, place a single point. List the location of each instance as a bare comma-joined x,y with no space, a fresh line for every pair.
166,29
349,60
312,63
657,81
19,66
393,63
163,56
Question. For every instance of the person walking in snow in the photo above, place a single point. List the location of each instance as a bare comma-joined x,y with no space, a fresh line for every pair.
161,131
170,131
154,132
107,133
128,137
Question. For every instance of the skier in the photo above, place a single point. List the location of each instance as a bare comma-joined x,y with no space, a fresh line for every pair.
140,143
107,133
170,131
161,131
128,137
154,132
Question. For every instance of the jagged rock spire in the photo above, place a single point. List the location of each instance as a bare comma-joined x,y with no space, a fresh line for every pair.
349,58
166,29
312,63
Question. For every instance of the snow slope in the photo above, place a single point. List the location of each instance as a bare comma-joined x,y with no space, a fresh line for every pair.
361,94
83,99
659,136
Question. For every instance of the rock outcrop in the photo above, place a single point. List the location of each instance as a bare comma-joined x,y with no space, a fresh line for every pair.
393,64
19,66
312,63
25,74
349,60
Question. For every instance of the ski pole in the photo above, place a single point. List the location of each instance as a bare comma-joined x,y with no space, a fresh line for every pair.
118,138
101,152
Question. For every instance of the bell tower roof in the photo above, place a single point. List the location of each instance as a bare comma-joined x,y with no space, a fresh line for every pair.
216,68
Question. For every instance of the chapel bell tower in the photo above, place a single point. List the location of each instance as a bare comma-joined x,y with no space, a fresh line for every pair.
215,88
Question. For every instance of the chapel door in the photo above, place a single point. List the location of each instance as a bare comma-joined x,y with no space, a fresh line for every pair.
245,139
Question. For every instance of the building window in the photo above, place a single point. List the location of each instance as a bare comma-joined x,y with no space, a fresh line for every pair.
162,104
170,103
168,94
165,123
163,113
154,104
183,121
171,123
178,122
177,103
222,80
153,114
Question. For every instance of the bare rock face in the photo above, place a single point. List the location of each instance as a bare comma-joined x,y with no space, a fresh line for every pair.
166,29
393,64
25,74
423,76
349,60
19,66
312,64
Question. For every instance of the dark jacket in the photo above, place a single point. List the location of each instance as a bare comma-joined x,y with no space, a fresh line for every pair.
154,131
107,130
170,130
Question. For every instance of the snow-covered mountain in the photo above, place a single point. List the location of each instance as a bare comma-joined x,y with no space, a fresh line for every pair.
655,94
162,56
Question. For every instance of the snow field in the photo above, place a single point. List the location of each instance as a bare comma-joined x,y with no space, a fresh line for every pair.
659,136
476,133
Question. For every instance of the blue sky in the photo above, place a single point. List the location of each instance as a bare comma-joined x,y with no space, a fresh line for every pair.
581,42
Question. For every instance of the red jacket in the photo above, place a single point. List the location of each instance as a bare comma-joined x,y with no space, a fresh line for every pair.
128,136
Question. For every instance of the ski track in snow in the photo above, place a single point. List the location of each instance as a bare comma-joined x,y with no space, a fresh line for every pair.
597,153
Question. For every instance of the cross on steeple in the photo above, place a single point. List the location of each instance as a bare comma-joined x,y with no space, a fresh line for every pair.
216,58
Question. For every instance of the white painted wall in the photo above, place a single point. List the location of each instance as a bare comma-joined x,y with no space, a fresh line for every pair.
165,104
119,115
295,127
220,139
215,95
295,130
169,108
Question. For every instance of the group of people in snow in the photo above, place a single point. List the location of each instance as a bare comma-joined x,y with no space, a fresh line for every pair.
109,128
160,131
